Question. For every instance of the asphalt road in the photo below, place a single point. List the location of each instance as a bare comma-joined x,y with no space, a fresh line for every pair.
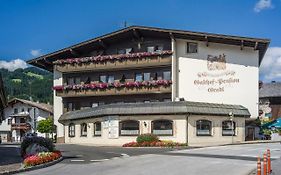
9,154
81,154
221,160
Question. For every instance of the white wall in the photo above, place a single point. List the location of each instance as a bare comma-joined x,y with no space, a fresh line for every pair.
58,106
241,68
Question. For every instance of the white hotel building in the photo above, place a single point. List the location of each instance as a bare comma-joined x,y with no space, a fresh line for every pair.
180,85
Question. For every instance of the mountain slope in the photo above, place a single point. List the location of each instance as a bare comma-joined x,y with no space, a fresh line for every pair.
30,83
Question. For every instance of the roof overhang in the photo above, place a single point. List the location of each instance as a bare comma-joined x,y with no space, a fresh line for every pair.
46,61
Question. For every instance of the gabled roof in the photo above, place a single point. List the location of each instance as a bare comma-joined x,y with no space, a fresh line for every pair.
45,61
157,108
42,106
270,90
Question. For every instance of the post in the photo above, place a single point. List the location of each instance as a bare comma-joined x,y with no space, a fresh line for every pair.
231,115
268,162
259,166
264,164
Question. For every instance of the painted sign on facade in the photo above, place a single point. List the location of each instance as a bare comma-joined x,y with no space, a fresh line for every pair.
113,127
217,77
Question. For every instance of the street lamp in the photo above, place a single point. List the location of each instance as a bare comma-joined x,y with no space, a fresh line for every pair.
231,115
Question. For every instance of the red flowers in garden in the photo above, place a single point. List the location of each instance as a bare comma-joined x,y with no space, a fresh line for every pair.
41,158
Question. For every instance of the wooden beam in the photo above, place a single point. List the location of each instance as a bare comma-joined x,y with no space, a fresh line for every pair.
74,52
207,41
242,44
47,61
102,44
41,64
137,34
256,46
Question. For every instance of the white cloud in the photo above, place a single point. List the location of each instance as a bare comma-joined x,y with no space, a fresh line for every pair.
271,65
36,52
262,5
13,64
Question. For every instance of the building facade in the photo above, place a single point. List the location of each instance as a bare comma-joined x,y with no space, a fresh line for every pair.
139,65
21,117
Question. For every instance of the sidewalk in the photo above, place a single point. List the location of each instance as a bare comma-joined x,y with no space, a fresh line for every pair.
276,167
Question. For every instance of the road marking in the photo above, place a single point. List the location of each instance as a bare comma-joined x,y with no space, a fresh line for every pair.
125,155
100,160
77,160
79,155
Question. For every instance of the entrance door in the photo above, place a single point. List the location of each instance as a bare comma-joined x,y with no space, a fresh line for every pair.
250,134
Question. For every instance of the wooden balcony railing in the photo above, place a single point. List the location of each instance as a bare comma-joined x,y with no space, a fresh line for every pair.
161,86
112,62
20,126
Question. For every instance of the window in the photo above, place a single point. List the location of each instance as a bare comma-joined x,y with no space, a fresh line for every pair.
146,76
203,127
138,77
191,47
158,48
159,75
167,75
103,78
16,110
121,51
71,130
150,49
129,128
77,80
162,127
22,109
9,121
110,79
228,128
70,81
97,129
128,50
84,130
69,106
28,110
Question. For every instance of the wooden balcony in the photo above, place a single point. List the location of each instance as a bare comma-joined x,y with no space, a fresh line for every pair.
20,126
152,61
114,91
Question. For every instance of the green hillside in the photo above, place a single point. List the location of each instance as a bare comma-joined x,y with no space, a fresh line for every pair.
30,82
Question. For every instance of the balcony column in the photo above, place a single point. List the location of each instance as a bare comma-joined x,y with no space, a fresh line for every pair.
58,107
175,69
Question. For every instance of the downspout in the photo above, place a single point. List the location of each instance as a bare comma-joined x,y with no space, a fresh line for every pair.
174,68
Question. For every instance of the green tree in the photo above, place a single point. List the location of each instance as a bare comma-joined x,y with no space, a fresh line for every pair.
45,126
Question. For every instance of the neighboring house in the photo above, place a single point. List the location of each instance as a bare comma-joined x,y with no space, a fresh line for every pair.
3,101
180,85
21,117
270,101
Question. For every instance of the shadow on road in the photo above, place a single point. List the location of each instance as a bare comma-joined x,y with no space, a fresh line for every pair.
9,155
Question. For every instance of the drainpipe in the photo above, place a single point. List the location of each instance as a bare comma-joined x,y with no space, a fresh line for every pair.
174,69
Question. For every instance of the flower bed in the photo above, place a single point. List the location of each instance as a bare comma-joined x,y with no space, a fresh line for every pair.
119,57
93,86
41,158
155,144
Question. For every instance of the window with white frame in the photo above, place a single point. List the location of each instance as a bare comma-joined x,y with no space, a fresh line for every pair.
191,47
103,78
162,127
83,129
228,128
110,79
150,49
129,128
71,130
138,77
167,75
97,129
146,76
203,127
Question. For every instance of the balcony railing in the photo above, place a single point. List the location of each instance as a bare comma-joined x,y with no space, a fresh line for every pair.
103,89
97,63
20,126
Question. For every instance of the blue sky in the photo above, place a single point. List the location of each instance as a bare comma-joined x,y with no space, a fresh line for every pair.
30,28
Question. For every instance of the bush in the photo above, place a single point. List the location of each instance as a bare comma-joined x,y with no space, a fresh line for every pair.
147,138
45,142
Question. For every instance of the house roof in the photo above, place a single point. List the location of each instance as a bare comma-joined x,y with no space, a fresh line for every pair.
43,106
157,108
270,90
45,61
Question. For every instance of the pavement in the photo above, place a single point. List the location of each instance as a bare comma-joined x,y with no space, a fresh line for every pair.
217,160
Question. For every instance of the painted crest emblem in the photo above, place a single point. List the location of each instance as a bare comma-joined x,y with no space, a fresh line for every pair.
216,62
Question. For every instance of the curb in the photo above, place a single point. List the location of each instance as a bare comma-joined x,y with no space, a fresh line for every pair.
33,168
